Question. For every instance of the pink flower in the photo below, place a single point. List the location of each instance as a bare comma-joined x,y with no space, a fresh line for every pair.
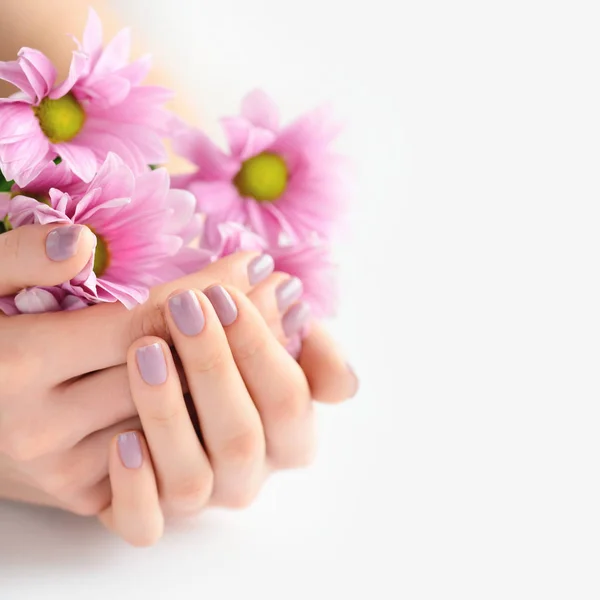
7,306
282,183
309,261
138,222
42,300
100,107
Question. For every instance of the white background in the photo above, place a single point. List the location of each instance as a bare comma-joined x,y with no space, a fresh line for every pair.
468,465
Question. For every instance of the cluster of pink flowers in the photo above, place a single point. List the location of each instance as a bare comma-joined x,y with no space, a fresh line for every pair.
82,152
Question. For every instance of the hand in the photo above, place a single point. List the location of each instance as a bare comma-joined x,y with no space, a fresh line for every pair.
64,385
59,403
253,405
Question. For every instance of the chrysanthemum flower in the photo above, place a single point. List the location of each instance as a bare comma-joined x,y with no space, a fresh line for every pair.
138,222
282,183
310,261
100,107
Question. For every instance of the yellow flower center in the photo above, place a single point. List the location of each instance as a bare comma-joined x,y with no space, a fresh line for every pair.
263,177
61,119
102,255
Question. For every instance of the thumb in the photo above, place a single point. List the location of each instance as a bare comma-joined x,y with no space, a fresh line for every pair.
43,255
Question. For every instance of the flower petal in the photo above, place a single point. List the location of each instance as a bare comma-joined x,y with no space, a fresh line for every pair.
36,300
12,72
199,149
261,110
80,159
39,71
79,64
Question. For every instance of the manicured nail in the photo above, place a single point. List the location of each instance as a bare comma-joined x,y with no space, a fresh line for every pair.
187,313
130,450
260,268
223,303
151,364
355,381
61,243
288,292
295,318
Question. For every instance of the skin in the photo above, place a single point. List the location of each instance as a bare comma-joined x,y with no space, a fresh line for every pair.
71,385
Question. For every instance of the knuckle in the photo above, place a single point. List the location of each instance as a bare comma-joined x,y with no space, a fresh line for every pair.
251,347
190,494
213,357
292,405
163,417
149,320
243,448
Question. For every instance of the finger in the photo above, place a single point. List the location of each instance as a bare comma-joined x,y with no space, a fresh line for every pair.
43,255
275,382
182,469
330,378
273,297
229,421
135,513
114,328
90,403
71,477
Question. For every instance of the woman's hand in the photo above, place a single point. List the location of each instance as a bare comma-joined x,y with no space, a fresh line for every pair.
64,389
253,404
63,382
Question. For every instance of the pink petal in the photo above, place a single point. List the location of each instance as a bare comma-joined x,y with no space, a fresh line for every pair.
137,71
73,303
79,159
79,64
36,300
7,306
245,140
260,110
12,72
39,70
115,54
92,36
268,221
182,206
200,150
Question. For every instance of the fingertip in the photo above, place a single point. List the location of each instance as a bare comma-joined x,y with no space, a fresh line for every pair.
87,241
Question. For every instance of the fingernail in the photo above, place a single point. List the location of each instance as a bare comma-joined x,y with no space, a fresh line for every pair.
288,292
355,381
260,268
130,450
151,364
187,313
223,304
61,243
295,318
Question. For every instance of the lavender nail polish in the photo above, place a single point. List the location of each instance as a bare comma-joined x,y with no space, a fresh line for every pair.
130,450
295,318
151,364
187,313
288,292
223,304
260,268
61,243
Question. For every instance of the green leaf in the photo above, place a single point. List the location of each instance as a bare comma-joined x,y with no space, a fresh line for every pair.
5,186
57,160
